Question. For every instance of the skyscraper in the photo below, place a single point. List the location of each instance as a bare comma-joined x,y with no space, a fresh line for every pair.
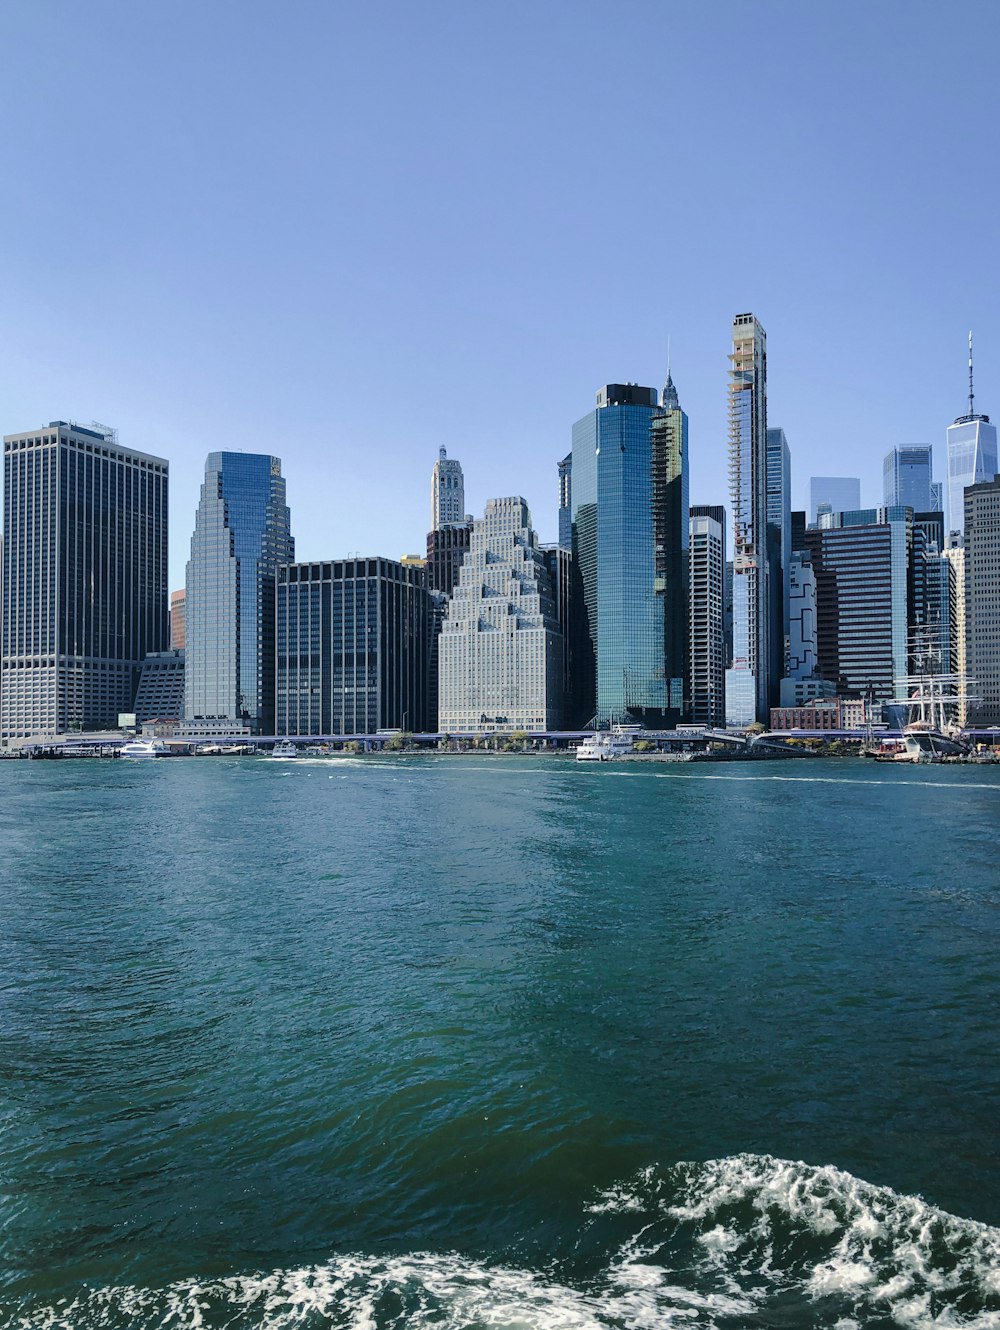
500,653
241,536
447,492
629,505
707,563
178,635
906,478
566,502
972,456
354,645
84,578
842,493
982,598
748,681
779,549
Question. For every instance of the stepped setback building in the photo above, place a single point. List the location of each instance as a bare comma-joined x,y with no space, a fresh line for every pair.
84,578
241,536
500,653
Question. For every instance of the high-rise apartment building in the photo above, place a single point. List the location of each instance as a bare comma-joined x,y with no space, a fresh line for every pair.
982,598
954,552
863,600
748,680
500,654
972,456
447,492
907,479
629,534
241,536
354,644
84,578
707,565
841,494
177,621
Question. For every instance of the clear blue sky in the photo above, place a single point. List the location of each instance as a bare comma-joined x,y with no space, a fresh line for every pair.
350,234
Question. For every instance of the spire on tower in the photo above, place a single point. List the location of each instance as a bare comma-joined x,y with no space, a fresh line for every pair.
670,397
971,409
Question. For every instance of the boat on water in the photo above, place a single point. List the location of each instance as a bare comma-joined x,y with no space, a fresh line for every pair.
144,748
923,742
281,752
607,745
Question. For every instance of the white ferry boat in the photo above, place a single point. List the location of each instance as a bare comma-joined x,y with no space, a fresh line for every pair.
144,748
281,751
607,745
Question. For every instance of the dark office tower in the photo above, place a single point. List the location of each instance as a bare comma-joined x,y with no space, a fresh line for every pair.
566,593
863,600
629,496
798,530
671,537
982,598
354,642
779,551
446,548
241,536
748,681
906,478
84,578
566,502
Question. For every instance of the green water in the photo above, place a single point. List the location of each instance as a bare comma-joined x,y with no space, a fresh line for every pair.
498,1042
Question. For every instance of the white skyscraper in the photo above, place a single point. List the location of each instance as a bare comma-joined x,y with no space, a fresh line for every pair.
447,492
500,650
972,456
706,564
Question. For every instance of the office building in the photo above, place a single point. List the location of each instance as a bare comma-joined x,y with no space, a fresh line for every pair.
982,599
972,456
447,492
84,578
160,695
241,536
863,595
954,552
630,531
566,502
566,588
707,564
500,654
779,548
177,620
937,496
748,680
906,478
840,494
354,645
446,548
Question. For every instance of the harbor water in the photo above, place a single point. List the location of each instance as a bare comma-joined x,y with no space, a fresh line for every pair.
499,1042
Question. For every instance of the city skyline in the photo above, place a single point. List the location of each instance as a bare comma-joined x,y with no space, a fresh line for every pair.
217,317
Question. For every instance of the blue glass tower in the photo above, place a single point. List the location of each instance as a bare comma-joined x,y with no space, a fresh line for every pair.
629,468
906,478
241,535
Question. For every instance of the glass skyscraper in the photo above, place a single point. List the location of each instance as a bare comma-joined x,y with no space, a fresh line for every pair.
779,551
972,456
84,578
630,534
906,478
241,536
748,681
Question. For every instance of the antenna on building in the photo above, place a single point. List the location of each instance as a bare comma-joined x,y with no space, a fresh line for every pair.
971,411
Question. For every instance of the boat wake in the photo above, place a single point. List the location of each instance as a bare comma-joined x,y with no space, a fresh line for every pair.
747,1240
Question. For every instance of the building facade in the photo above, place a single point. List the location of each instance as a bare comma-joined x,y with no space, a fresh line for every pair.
629,535
241,536
748,680
779,548
178,636
863,600
954,552
838,494
566,502
84,578
982,599
354,644
500,654
446,548
707,565
447,491
907,479
160,694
